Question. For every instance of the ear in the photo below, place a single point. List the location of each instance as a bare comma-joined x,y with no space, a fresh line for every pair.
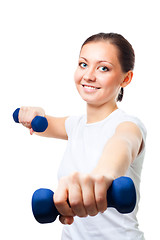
127,79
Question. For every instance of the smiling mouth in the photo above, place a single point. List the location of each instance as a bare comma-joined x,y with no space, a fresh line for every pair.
90,87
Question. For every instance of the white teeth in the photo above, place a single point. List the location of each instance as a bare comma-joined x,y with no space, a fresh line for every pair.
90,87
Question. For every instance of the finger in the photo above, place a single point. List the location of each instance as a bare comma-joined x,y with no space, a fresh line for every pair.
20,115
66,220
26,124
76,200
26,115
101,193
60,199
89,196
23,112
31,131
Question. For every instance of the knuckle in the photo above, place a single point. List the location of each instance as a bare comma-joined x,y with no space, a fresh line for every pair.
86,179
100,199
100,179
34,111
62,180
58,201
22,108
74,177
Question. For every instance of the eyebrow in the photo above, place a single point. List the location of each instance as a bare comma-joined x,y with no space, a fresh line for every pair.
99,61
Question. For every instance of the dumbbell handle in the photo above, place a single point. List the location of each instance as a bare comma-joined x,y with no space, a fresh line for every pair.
39,124
121,195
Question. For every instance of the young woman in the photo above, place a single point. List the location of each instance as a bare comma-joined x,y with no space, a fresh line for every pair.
104,144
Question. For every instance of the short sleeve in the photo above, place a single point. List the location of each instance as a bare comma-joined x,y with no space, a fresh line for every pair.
71,123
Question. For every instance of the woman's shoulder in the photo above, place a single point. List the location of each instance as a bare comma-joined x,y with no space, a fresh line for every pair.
75,119
73,122
125,117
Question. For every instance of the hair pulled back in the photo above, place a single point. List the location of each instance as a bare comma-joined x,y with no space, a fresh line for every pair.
126,53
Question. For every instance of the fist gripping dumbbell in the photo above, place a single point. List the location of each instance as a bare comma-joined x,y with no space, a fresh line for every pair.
121,195
39,124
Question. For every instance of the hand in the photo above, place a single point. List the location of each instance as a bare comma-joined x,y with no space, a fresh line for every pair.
86,194
27,114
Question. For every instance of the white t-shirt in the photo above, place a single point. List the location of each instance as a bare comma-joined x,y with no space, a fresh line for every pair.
84,148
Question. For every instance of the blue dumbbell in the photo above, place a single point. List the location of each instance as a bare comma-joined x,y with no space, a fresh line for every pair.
39,124
121,195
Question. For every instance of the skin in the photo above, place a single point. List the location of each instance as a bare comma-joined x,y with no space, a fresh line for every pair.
98,68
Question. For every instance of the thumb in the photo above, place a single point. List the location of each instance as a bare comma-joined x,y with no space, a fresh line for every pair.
66,220
31,131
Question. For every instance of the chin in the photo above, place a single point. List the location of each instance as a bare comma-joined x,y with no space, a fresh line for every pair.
92,102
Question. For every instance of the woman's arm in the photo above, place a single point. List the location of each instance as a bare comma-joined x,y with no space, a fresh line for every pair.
56,126
120,151
87,192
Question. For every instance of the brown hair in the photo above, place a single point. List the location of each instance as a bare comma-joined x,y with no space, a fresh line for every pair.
126,54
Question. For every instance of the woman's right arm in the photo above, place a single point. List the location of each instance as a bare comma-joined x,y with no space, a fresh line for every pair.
56,126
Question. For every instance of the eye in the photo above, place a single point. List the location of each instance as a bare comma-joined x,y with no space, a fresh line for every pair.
82,64
104,69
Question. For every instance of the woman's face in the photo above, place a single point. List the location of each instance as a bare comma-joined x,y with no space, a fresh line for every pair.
98,76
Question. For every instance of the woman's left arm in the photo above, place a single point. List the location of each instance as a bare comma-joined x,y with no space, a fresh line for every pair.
120,151
86,193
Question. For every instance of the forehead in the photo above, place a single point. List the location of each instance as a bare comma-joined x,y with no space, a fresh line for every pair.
102,50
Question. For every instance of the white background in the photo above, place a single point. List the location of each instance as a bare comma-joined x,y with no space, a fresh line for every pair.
39,47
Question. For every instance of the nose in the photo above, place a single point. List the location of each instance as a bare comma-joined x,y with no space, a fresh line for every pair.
89,75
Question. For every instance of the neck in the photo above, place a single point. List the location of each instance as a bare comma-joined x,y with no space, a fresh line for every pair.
98,113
